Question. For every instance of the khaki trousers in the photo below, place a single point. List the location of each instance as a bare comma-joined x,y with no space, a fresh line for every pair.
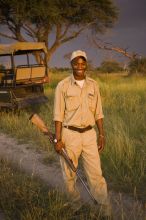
84,145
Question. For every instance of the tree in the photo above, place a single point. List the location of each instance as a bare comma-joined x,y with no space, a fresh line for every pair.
36,20
110,67
138,65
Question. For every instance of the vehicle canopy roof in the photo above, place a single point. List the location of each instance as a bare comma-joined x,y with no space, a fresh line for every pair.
22,47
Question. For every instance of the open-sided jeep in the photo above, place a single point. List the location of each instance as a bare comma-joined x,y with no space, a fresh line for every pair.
21,76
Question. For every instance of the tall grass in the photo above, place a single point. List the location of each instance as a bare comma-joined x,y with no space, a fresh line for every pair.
124,105
26,198
125,155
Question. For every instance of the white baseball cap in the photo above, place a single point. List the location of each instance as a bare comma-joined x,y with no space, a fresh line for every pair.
78,53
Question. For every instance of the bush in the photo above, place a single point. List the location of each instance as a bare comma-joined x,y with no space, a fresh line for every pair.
110,67
138,65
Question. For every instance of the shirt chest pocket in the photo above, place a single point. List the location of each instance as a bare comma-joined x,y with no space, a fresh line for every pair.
72,101
91,101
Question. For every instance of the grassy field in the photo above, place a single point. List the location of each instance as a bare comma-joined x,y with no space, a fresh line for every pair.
124,105
26,198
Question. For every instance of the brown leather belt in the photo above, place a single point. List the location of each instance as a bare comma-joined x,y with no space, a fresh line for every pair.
80,130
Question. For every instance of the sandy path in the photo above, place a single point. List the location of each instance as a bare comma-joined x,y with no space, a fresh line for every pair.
125,207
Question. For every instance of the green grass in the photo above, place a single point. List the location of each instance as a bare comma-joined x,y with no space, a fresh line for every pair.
124,105
125,116
26,198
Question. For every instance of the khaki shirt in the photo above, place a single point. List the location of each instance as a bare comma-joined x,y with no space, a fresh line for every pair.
77,106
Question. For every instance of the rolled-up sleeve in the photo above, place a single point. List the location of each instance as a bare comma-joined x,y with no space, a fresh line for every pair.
98,111
59,104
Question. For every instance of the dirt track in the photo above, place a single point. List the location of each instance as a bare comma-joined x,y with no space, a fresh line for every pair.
32,162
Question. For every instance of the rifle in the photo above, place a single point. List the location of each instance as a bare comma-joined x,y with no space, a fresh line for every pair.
36,120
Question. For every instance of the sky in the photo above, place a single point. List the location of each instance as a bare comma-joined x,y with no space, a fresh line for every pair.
128,32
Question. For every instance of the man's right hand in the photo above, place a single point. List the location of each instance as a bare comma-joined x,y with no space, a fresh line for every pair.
58,146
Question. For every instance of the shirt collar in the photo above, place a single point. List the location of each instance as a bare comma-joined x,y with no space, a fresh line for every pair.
73,81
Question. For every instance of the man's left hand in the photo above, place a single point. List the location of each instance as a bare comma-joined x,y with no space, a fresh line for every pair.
101,143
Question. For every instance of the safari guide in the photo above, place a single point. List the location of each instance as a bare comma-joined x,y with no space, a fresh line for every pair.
77,109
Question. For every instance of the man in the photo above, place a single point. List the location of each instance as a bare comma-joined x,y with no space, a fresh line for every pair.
77,108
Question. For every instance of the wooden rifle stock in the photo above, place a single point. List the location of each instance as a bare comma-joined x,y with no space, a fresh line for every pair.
39,123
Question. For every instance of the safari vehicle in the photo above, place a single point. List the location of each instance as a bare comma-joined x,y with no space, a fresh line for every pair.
21,76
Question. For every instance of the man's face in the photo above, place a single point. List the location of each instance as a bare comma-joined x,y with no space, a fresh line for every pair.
79,66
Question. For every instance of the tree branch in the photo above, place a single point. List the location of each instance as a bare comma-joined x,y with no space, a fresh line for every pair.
11,26
46,37
54,46
57,41
19,35
65,31
30,31
107,46
15,29
58,32
72,36
8,36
